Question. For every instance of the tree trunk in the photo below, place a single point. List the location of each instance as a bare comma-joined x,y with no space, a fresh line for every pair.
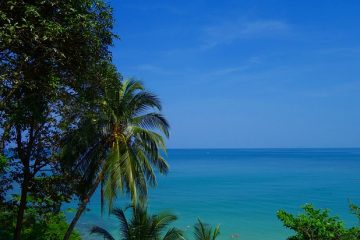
21,211
81,208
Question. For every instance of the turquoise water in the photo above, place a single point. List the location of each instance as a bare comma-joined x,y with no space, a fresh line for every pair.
242,189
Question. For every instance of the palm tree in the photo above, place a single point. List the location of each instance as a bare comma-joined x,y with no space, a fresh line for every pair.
205,232
118,146
142,226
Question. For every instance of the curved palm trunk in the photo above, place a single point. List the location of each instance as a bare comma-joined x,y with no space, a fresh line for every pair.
82,207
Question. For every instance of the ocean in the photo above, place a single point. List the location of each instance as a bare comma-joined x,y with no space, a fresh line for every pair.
242,189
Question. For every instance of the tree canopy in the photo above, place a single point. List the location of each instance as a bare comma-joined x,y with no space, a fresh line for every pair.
49,51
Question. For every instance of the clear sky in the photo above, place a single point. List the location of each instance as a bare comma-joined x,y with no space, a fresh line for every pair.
240,74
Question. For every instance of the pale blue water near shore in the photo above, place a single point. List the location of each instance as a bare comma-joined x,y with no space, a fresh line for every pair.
241,189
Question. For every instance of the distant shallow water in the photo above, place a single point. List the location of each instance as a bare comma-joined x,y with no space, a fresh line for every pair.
241,189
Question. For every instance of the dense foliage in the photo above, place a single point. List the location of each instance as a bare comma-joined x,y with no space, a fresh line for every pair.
48,53
316,224
49,226
68,120
5,180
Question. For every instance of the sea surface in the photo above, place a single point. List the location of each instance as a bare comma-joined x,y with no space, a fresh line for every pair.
242,189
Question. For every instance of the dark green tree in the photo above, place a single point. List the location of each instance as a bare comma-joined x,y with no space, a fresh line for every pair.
36,225
5,180
47,52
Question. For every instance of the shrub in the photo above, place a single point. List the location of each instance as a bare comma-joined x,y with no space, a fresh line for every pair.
316,224
52,226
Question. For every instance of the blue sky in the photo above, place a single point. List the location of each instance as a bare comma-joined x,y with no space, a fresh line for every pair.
247,74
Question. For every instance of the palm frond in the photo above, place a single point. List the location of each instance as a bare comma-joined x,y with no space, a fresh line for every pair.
153,121
174,234
164,219
147,168
102,232
143,101
118,179
204,231
216,232
124,225
131,85
201,233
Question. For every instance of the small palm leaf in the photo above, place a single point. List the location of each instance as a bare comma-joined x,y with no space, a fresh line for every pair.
102,232
153,121
124,225
174,234
164,219
201,233
216,232
205,232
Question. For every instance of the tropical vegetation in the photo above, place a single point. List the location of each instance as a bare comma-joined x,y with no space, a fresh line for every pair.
142,225
48,53
120,146
70,124
316,224
205,232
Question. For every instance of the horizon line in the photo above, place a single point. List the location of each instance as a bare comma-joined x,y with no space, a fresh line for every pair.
249,148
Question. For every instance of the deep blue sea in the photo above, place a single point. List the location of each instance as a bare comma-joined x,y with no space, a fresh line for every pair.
242,189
